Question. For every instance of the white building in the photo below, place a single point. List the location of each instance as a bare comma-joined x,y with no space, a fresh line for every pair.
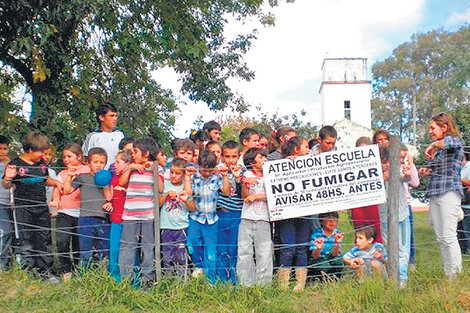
345,91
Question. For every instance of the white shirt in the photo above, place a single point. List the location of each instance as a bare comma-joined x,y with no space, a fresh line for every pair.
109,141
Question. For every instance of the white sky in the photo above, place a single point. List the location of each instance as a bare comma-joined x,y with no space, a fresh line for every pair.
287,58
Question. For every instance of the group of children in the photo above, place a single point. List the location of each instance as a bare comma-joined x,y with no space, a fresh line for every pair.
212,204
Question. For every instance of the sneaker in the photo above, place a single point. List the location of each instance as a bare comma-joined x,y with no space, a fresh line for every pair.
197,272
66,277
50,279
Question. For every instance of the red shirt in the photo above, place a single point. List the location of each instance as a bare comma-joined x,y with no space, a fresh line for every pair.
119,198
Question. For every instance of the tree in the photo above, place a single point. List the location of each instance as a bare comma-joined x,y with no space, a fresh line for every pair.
72,55
431,72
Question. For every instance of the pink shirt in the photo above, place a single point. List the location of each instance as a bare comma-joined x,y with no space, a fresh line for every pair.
70,203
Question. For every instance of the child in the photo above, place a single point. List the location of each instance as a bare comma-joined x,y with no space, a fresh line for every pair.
183,149
229,213
68,206
28,174
368,214
6,227
445,191
121,164
174,219
249,138
138,216
381,138
403,216
326,246
93,228
281,135
202,231
294,232
263,142
48,155
254,234
367,256
213,129
216,148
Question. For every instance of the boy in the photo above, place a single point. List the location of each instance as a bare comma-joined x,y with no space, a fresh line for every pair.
229,213
6,227
29,175
367,256
326,244
174,219
202,231
93,228
249,138
138,216
107,137
254,234
213,129
403,215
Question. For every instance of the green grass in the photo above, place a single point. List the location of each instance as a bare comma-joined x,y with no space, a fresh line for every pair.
95,291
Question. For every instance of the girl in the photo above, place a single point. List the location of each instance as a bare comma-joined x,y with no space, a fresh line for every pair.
445,156
68,206
254,232
294,232
123,160
216,148
279,136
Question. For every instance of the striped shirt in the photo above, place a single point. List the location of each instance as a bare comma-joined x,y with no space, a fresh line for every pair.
234,202
139,204
446,167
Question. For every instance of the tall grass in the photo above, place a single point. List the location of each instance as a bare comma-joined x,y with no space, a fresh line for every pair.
95,291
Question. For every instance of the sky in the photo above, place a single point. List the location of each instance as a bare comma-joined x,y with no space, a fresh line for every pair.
287,57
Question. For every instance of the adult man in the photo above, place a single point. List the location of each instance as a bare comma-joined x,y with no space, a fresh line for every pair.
106,137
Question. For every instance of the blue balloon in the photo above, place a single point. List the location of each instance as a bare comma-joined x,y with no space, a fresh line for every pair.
103,178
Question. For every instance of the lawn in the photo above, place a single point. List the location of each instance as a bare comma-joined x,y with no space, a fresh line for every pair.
95,291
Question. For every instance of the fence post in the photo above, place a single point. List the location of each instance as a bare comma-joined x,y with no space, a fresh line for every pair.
156,223
393,198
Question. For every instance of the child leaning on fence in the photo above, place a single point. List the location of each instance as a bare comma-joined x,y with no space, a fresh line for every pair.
255,250
174,219
367,257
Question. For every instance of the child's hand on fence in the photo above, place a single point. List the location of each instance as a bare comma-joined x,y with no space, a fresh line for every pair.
171,194
190,170
424,171
223,169
357,262
137,167
10,172
184,196
292,157
108,207
339,237
319,243
236,170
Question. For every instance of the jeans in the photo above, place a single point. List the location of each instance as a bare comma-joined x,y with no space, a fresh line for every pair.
227,244
295,234
202,245
6,235
93,237
66,230
254,238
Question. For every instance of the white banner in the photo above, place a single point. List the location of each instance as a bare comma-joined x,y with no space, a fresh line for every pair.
330,181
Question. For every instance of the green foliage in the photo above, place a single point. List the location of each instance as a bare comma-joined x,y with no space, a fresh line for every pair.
432,71
73,55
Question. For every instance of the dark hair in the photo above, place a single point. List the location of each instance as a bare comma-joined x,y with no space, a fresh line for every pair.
147,145
289,146
368,230
179,163
207,159
250,155
35,141
211,125
328,215
185,144
125,141
327,131
104,108
97,151
126,155
384,154
364,140
198,135
246,134
403,147
311,143
4,140
213,143
230,144
378,133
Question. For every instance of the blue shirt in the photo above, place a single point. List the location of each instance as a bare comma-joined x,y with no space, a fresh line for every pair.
205,191
366,255
328,241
